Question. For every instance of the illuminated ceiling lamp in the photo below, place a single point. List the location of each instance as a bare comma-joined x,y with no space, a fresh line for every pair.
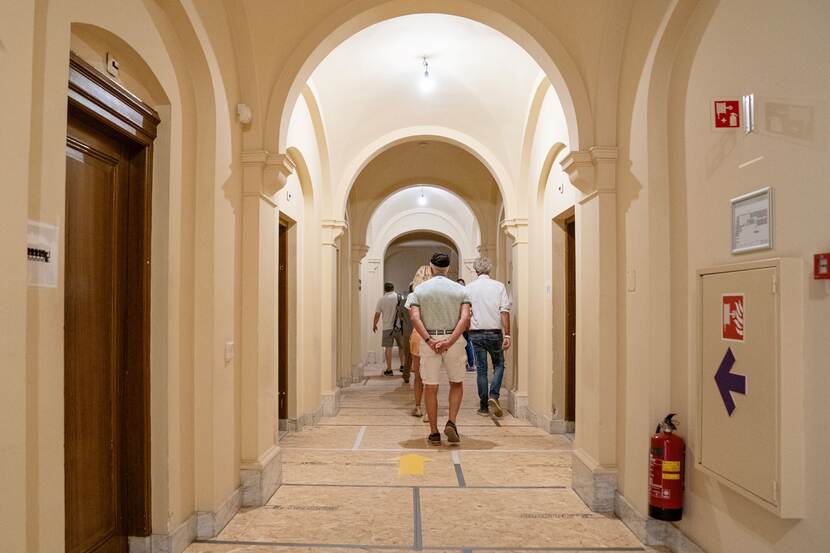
422,200
427,84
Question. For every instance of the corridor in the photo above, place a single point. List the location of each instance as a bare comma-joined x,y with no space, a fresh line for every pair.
365,479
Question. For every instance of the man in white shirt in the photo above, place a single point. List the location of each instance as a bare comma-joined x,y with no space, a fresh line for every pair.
489,333
387,309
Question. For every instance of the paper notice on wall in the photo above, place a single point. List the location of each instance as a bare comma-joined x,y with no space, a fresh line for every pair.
751,222
42,253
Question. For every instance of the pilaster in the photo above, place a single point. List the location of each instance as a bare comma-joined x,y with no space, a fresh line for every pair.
358,353
593,173
263,174
517,229
332,230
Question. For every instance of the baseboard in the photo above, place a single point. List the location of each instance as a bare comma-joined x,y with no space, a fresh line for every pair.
357,373
651,531
518,405
559,426
174,542
210,523
330,404
261,478
593,483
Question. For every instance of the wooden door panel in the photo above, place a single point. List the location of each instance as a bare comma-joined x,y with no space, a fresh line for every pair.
96,175
282,321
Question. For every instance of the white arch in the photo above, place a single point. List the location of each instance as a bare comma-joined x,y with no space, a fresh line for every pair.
510,20
420,219
425,132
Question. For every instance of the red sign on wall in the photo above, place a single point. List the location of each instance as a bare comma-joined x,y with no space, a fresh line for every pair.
733,317
727,114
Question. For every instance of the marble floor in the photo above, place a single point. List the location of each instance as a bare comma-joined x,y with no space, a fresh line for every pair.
366,480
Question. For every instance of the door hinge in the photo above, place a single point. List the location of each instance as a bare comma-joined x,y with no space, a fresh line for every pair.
774,284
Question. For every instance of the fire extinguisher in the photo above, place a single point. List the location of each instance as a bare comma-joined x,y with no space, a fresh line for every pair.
666,472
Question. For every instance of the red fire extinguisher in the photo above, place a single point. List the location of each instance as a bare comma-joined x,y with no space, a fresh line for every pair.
666,472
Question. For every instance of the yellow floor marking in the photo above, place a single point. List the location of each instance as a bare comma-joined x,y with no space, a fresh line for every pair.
412,464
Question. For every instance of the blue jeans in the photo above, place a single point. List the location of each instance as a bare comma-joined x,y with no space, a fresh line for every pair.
484,342
471,360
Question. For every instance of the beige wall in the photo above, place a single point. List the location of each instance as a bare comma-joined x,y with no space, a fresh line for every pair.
18,513
786,64
674,179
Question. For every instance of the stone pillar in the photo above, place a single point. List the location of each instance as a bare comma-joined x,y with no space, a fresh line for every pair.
357,314
263,175
344,313
594,462
332,229
372,290
520,331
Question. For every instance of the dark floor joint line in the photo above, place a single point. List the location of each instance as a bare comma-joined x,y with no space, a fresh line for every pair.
417,547
495,420
416,512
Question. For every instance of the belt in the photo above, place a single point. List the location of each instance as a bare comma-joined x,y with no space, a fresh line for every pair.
440,332
483,330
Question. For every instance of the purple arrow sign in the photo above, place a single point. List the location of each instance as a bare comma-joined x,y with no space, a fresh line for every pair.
729,382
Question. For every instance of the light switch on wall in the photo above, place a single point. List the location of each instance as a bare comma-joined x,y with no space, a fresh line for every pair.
229,353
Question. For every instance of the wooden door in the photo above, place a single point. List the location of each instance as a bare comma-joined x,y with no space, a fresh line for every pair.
570,309
282,322
97,173
106,314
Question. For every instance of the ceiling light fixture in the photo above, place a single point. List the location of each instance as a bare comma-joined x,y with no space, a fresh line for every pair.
427,84
422,200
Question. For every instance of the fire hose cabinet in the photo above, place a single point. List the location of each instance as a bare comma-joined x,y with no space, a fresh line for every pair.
749,408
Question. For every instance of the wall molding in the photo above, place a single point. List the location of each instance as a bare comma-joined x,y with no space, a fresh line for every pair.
210,523
174,542
261,478
593,483
653,532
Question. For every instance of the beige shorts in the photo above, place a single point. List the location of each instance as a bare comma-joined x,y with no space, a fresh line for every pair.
415,342
454,361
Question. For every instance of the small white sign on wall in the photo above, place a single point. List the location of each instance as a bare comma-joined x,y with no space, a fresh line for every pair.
752,221
42,252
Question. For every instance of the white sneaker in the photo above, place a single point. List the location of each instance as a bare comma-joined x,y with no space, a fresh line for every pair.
495,407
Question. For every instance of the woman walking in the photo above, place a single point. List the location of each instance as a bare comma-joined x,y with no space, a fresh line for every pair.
423,274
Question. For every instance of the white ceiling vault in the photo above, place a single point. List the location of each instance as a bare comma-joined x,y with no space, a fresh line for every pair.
369,86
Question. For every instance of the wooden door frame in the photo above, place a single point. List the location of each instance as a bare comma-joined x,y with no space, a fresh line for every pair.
282,320
99,98
570,320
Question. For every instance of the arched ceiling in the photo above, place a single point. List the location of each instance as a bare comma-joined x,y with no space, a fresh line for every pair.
369,85
421,239
424,163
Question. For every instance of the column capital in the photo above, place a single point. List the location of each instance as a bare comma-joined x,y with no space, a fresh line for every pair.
333,229
592,170
359,251
275,170
516,229
484,250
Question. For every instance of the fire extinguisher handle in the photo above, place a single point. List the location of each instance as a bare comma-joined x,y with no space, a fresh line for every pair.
669,423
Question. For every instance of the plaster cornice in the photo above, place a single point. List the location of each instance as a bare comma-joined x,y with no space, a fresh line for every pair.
333,229
592,170
516,229
275,170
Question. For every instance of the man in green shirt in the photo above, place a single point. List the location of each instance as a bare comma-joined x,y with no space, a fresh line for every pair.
440,313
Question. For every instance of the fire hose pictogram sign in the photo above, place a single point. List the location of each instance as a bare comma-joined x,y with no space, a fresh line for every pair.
734,317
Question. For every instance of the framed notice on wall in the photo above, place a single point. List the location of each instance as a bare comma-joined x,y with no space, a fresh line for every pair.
752,221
